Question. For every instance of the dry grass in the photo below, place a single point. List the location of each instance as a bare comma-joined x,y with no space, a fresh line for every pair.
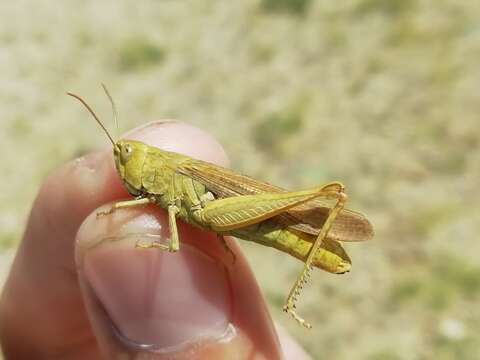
382,95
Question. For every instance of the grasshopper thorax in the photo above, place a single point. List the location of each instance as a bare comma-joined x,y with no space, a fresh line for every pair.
129,158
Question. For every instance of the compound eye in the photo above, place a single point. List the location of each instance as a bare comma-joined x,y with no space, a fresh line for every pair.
125,153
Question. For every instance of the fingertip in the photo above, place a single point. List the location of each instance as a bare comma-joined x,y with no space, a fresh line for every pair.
181,137
194,300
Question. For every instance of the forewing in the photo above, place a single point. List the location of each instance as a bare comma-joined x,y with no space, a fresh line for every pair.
308,217
224,182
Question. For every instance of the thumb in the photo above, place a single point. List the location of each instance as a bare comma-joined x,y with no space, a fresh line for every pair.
196,303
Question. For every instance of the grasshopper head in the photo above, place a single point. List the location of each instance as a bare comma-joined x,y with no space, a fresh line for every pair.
129,157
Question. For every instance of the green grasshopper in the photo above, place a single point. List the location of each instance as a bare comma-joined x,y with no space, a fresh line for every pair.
299,223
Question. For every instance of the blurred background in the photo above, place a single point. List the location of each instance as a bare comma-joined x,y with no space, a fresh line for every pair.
382,95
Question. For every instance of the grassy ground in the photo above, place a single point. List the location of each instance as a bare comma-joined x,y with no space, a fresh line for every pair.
382,95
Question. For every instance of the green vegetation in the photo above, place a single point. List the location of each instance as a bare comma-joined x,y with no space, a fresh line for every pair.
295,7
387,7
272,132
138,53
448,280
384,355
7,240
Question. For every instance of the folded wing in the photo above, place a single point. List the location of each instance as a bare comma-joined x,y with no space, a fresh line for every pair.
308,217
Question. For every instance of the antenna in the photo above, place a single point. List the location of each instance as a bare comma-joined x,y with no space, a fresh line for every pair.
114,108
93,114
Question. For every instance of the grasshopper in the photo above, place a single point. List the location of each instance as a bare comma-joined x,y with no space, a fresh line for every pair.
299,223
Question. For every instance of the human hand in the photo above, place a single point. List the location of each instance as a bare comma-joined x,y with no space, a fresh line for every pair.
79,289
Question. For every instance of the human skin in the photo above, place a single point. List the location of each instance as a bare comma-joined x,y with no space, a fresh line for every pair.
80,289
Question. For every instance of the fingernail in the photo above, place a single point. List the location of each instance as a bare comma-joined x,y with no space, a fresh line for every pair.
155,299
